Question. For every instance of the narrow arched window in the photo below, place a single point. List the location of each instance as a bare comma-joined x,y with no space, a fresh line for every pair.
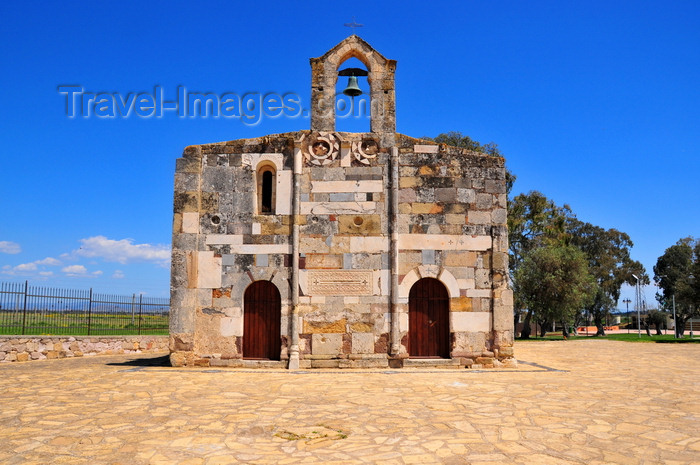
266,190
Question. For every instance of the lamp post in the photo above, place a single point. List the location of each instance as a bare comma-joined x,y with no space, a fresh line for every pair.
627,302
636,303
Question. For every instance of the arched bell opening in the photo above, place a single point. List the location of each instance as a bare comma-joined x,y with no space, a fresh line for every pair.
380,80
352,97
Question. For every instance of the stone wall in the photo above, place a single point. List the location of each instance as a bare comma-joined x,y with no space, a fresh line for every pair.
449,224
344,275
452,227
26,348
222,243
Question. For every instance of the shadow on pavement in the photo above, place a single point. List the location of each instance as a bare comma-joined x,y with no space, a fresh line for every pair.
159,361
679,341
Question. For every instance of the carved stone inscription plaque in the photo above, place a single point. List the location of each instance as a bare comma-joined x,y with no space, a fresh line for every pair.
340,282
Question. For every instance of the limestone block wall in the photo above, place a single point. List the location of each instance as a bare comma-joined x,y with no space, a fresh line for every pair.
344,276
364,200
222,243
27,348
452,227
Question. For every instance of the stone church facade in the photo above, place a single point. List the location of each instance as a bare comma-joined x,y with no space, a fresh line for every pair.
325,249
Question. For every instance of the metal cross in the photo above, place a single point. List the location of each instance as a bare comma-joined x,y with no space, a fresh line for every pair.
353,25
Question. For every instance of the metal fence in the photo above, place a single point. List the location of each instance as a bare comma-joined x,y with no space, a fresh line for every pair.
33,310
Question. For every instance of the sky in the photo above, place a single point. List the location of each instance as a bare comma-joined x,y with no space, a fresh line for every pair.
595,104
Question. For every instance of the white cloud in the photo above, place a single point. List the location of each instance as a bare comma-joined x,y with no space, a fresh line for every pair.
10,247
93,250
7,269
25,267
29,269
122,251
75,270
79,271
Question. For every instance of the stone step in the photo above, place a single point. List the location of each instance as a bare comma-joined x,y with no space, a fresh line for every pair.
431,363
238,363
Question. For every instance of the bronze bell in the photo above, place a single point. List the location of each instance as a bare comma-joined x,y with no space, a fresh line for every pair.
352,90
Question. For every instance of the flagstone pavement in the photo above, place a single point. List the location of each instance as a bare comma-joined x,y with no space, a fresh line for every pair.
569,402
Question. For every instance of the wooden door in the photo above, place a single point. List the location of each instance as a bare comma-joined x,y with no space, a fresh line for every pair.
261,321
428,319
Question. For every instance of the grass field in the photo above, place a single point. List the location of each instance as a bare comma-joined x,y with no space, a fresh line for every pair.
631,337
78,324
634,337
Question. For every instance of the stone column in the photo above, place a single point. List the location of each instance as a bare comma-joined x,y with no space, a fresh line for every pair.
494,292
322,96
501,296
382,98
183,276
394,250
296,197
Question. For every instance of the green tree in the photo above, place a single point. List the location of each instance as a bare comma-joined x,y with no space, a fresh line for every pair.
609,261
457,139
554,282
658,319
678,271
534,221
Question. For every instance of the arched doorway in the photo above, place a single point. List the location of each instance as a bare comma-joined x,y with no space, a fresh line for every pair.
428,319
261,321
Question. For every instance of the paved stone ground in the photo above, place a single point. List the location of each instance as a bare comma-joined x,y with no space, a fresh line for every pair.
585,401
